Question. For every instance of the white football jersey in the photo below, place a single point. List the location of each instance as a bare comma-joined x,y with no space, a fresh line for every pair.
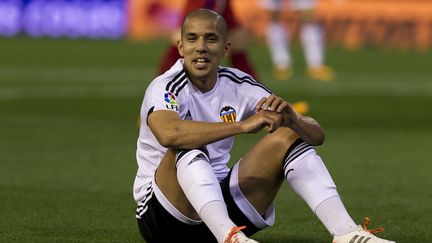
233,98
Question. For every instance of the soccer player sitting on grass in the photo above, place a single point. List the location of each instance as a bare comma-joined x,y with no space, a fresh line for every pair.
189,117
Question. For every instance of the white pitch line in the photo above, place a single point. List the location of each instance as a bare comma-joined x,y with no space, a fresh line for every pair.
74,74
105,91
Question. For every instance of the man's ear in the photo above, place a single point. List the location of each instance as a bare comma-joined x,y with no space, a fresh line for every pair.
226,49
180,47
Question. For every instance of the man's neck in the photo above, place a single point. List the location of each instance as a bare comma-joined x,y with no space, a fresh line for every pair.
204,85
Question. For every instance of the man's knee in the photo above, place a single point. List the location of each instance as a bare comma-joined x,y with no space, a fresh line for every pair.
282,138
269,151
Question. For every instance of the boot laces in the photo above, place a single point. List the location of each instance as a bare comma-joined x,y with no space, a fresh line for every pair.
366,222
232,234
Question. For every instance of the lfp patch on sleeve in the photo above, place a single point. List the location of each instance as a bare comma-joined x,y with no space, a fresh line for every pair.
171,101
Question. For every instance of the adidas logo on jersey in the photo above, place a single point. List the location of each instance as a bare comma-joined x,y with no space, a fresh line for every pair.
188,115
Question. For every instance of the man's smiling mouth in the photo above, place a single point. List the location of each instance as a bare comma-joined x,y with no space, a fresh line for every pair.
200,63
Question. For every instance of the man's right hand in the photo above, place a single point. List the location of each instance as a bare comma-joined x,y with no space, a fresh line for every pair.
261,119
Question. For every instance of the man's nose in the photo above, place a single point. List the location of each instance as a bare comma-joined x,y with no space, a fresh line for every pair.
201,45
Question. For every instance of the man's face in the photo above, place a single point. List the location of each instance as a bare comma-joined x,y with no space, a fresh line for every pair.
202,47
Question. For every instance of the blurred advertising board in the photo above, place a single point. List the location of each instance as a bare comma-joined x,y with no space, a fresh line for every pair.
388,24
397,24
402,24
64,18
153,18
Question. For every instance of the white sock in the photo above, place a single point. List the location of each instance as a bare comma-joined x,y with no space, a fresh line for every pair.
311,35
310,179
211,215
308,176
201,187
277,42
334,216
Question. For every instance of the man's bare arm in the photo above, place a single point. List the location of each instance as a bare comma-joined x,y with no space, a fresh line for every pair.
172,132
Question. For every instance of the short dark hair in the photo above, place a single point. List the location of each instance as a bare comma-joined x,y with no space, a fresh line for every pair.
204,13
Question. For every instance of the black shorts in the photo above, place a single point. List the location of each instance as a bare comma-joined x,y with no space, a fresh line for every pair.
158,225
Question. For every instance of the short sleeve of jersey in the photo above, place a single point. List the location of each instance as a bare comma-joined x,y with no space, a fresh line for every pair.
158,98
255,93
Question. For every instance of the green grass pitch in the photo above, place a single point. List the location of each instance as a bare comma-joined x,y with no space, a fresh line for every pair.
68,111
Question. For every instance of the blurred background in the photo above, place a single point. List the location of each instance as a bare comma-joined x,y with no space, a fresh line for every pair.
73,74
350,23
